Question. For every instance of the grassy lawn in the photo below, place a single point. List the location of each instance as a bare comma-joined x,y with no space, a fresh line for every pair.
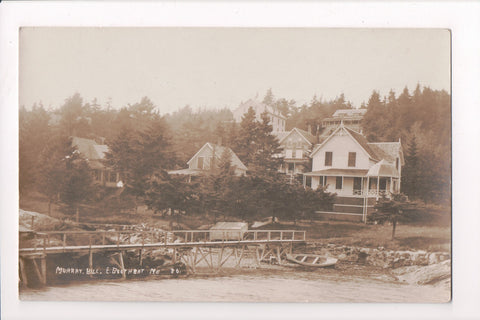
407,236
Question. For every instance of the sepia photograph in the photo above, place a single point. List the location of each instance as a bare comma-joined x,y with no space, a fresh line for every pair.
208,164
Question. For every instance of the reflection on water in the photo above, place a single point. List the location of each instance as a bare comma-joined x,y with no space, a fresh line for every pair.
255,286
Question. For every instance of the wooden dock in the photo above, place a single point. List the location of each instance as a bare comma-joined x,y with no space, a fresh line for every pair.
191,247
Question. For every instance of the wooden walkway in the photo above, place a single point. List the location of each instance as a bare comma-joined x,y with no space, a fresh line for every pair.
68,241
212,247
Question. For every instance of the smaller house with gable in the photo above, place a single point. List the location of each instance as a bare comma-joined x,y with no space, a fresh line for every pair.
210,155
358,171
296,146
94,154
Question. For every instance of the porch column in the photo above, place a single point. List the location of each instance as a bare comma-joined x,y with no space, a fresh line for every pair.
368,185
378,186
304,181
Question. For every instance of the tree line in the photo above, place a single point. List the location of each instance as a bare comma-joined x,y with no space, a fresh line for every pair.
422,122
144,145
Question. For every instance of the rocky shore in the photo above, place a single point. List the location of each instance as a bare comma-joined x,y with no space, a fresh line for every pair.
416,267
379,257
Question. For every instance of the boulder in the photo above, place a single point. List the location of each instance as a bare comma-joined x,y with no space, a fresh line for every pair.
432,258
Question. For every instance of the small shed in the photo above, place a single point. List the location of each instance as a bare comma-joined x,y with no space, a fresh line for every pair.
228,231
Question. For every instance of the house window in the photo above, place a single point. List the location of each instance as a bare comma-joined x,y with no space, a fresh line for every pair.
339,183
308,181
288,153
112,177
383,184
207,162
328,158
291,168
357,186
97,175
200,162
322,181
352,157
299,154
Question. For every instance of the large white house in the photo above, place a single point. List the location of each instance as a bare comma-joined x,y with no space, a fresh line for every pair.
358,171
277,119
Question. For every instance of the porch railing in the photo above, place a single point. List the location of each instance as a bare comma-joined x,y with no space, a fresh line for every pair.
363,193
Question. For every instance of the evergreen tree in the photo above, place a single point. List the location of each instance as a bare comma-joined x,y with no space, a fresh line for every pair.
73,120
172,194
406,110
394,210
54,167
269,98
34,133
77,187
267,147
410,173
123,154
374,122
244,145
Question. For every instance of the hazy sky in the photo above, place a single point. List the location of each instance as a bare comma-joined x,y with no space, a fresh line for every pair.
220,67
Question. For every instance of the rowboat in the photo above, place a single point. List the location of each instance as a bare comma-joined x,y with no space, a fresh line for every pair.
312,260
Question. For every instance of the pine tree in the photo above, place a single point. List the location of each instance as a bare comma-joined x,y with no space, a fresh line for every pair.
410,173
34,133
77,187
73,121
374,122
61,170
244,145
269,98
394,210
267,147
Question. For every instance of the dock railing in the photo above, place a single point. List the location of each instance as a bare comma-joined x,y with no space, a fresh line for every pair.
63,240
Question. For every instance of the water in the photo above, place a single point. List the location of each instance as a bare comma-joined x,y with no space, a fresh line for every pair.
282,285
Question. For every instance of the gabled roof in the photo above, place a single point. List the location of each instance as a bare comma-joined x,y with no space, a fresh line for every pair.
388,150
280,134
308,137
90,149
235,161
363,143
376,150
357,137
383,169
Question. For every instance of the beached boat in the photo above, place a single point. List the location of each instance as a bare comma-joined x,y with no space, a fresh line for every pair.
312,260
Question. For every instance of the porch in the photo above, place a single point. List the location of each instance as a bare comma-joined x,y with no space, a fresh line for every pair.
353,182
294,166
